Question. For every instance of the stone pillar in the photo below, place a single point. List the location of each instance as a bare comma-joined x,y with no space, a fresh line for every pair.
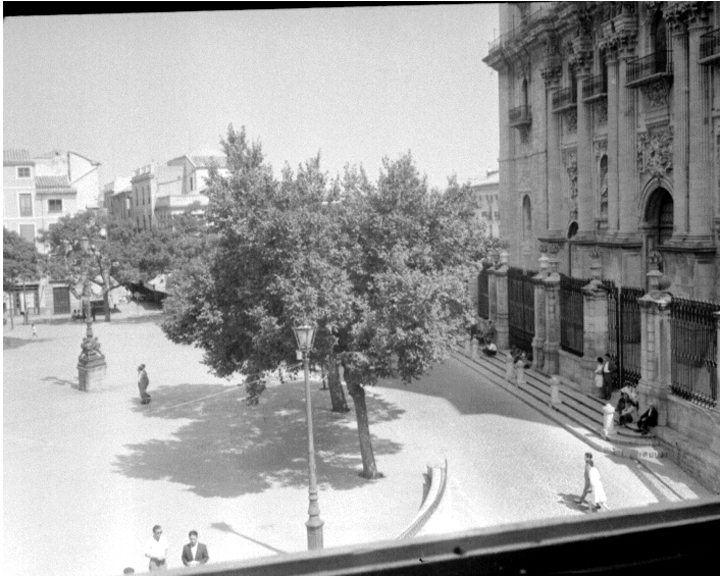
655,354
492,294
586,196
676,19
538,342
552,318
700,224
614,86
553,168
717,359
473,294
501,320
595,310
627,154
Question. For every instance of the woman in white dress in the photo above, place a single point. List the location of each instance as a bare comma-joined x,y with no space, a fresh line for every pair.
599,498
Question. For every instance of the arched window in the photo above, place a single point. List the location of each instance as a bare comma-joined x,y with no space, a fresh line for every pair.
527,219
572,230
659,41
659,218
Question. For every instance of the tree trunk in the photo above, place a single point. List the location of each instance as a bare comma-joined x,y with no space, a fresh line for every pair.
357,393
337,396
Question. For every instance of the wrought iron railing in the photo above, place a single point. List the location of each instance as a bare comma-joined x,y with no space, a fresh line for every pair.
483,296
564,98
710,44
694,351
624,331
594,87
572,315
521,309
648,66
520,115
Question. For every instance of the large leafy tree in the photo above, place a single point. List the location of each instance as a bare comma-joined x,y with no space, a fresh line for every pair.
20,262
380,270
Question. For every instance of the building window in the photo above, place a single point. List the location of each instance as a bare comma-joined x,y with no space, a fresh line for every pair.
26,205
526,220
27,231
54,206
23,171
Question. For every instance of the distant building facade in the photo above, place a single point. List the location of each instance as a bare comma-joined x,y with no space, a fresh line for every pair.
610,138
487,191
117,197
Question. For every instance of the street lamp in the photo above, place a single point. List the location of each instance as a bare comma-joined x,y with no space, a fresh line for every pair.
305,335
91,362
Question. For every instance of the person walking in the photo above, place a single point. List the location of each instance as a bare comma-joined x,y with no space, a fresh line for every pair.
157,549
34,330
599,498
520,365
194,553
588,487
143,383
609,373
510,368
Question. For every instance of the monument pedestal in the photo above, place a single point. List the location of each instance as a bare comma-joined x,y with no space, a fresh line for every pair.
91,373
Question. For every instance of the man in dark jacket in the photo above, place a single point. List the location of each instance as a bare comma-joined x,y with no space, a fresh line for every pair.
194,553
143,383
609,373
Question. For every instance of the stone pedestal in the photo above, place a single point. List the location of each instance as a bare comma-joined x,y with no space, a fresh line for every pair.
91,374
501,289
552,319
538,342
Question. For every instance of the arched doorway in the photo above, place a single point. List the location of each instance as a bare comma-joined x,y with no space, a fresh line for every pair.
659,218
571,233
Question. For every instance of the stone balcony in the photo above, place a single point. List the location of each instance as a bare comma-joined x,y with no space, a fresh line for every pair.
710,48
650,68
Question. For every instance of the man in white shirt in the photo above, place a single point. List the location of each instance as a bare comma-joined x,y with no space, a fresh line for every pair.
157,549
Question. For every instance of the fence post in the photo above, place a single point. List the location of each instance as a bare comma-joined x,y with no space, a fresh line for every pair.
655,348
552,318
538,343
595,320
492,293
717,348
501,291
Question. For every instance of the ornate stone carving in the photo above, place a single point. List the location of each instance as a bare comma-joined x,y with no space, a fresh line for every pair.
571,121
675,14
603,180
601,112
570,161
654,152
600,148
552,74
657,93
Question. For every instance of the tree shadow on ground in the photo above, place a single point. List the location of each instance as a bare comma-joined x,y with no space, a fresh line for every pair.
229,448
9,342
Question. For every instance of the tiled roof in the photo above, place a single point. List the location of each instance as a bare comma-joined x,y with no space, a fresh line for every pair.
207,161
53,185
13,156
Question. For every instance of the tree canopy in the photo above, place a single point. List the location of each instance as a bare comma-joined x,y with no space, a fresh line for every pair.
379,269
20,258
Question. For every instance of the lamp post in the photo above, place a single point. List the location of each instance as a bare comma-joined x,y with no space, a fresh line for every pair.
91,362
304,335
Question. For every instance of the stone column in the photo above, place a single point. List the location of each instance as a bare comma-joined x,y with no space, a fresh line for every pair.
717,360
614,86
552,318
492,294
655,354
473,294
501,320
700,224
538,342
595,310
585,196
553,167
627,154
676,18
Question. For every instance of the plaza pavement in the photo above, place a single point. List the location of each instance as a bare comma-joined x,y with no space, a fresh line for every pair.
92,472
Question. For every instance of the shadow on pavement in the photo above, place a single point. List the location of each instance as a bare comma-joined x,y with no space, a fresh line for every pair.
569,501
225,527
229,448
9,342
59,382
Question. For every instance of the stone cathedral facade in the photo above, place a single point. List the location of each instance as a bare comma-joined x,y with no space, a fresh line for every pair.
610,139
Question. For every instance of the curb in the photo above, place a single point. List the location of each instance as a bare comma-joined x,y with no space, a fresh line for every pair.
433,491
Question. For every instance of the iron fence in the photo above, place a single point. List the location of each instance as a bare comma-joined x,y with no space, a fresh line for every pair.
694,351
564,98
647,66
572,315
624,332
483,297
595,86
521,309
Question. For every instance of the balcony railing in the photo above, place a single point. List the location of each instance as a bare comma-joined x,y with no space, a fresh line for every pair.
564,99
520,116
648,68
594,88
710,47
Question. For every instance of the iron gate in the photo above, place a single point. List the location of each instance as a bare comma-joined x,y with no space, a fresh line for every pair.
624,332
694,351
572,314
521,309
483,298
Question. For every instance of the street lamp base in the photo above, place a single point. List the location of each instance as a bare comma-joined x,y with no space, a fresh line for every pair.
315,533
91,374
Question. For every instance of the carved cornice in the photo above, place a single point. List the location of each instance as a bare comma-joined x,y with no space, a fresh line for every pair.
655,152
676,14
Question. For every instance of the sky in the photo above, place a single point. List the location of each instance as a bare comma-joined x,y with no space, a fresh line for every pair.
355,84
